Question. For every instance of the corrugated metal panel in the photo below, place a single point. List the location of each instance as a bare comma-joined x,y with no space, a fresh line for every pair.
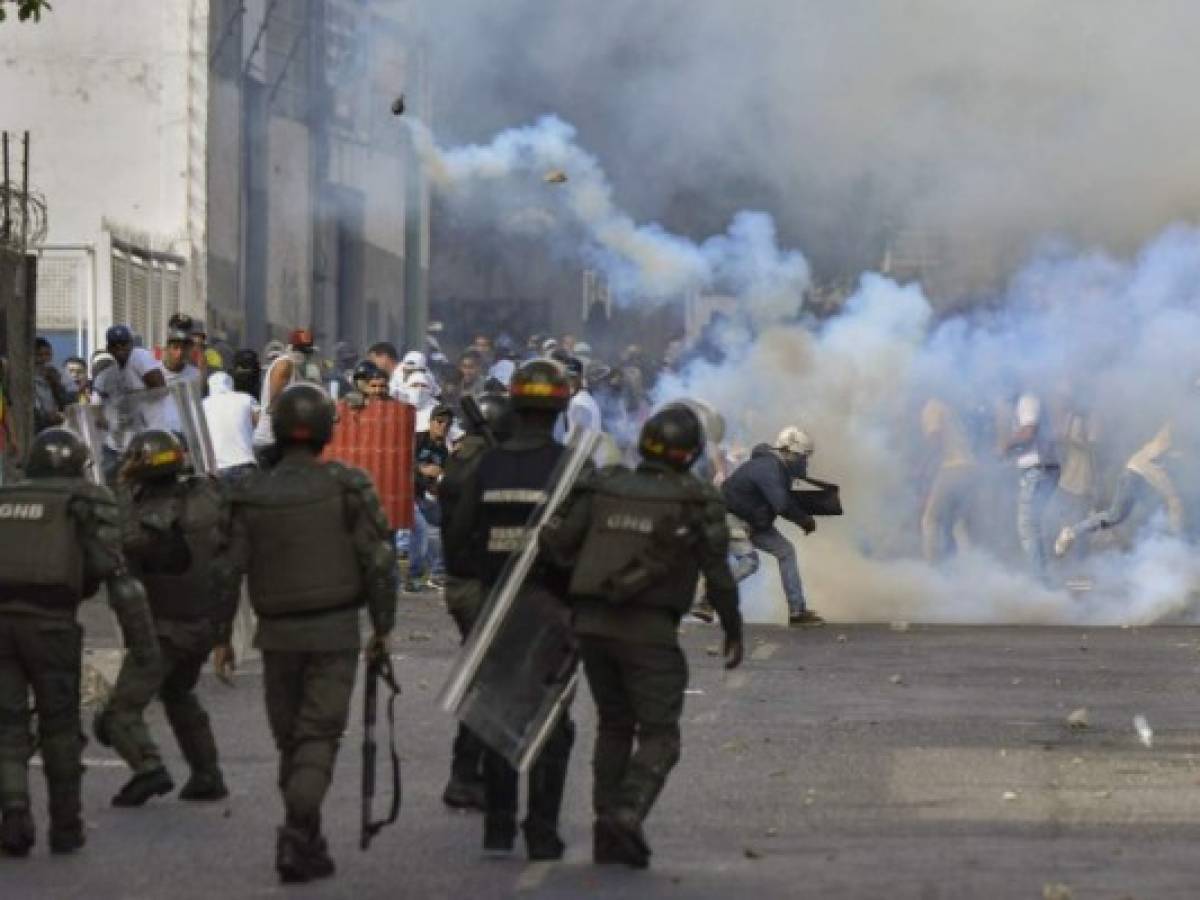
379,439
60,292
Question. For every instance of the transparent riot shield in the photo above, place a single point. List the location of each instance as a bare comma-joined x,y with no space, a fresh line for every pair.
108,427
518,668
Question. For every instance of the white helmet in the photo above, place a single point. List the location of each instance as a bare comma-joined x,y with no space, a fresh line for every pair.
795,440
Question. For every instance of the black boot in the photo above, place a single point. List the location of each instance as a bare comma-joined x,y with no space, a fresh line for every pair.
499,833
542,842
66,837
205,785
618,838
301,856
144,785
17,834
462,793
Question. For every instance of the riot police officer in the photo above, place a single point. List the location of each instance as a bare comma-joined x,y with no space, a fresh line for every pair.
487,421
490,518
314,540
73,525
636,543
174,525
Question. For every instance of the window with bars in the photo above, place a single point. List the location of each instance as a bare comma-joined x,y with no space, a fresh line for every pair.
146,290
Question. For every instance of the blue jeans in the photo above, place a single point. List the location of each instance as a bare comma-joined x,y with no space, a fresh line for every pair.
771,540
1036,488
1131,491
415,542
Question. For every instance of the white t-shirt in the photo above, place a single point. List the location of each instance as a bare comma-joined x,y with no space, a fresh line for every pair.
116,383
263,435
1029,412
582,413
230,417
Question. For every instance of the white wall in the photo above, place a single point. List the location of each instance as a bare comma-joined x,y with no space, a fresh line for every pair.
102,85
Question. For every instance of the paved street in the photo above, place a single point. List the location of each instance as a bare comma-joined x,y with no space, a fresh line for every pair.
841,762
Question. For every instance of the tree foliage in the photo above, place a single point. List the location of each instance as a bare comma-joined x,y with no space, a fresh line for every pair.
26,9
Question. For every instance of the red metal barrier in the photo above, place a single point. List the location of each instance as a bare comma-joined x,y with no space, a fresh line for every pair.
378,438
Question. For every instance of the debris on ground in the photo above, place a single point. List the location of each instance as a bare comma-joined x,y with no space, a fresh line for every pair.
1142,727
420,636
1053,890
1078,719
1009,796
841,639
751,853
772,832
712,650
897,679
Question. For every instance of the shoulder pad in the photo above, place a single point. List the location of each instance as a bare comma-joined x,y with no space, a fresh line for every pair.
350,476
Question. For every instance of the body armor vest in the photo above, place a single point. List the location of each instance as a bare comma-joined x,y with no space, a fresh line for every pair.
41,559
303,559
641,544
180,587
512,483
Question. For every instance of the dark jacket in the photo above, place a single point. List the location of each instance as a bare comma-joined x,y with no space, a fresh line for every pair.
759,489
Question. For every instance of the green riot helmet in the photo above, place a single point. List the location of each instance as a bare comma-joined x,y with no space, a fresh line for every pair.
57,453
674,436
303,416
153,456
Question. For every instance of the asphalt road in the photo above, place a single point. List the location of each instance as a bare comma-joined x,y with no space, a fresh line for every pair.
849,761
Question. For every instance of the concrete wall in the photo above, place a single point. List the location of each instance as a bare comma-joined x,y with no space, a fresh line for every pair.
102,85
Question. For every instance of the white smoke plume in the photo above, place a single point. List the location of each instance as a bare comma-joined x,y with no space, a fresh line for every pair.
538,179
987,124
1049,144
1116,338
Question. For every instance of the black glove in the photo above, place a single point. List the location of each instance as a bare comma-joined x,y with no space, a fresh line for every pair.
733,652
127,598
808,525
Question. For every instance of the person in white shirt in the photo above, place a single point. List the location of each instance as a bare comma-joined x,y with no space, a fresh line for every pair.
418,391
136,370
231,417
295,365
582,412
1037,461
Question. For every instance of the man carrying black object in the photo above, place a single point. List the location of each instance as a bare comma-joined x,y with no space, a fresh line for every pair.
497,499
760,490
636,543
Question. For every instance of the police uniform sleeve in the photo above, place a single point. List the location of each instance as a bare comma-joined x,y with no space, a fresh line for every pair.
562,537
721,587
99,519
226,580
371,535
463,529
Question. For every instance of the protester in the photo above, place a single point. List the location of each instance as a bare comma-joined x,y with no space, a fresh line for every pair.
231,417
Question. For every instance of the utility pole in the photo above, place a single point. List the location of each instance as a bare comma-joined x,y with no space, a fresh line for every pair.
18,289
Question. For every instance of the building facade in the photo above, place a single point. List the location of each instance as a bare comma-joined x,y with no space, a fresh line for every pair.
236,160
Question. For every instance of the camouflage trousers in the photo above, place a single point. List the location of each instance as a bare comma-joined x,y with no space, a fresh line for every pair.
638,690
308,705
42,655
184,647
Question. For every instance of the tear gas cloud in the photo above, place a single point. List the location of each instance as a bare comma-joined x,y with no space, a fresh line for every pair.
994,128
989,124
